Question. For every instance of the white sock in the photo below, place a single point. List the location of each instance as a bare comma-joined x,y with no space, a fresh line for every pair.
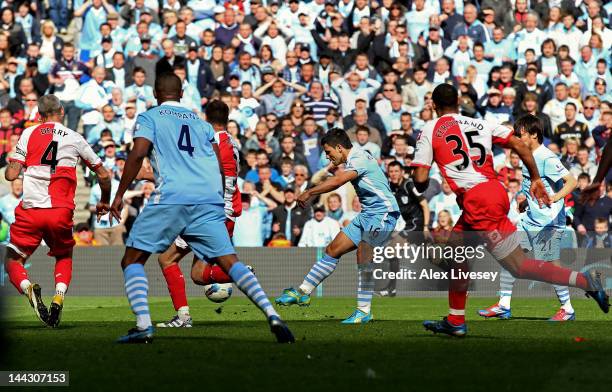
183,312
24,286
143,321
504,301
568,306
60,289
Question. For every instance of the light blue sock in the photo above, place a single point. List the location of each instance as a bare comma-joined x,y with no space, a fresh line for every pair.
249,285
564,297
506,284
137,290
317,274
365,287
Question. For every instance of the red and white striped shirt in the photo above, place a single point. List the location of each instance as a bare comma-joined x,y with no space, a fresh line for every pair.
230,161
50,153
462,148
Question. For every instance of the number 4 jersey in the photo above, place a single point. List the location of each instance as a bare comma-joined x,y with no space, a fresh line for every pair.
462,148
50,153
184,163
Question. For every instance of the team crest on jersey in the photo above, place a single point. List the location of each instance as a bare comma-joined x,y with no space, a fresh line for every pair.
404,199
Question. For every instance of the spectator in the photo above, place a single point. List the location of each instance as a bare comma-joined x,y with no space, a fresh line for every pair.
572,128
66,76
586,215
555,108
600,238
444,227
320,230
333,205
583,164
110,122
287,150
362,141
140,90
10,201
446,200
83,236
92,97
290,218
248,230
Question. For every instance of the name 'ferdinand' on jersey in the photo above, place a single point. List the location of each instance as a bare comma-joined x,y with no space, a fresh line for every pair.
462,147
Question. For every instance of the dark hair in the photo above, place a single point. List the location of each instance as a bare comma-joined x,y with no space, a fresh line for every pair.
395,164
166,85
360,128
217,113
336,137
584,176
445,96
572,105
531,124
138,69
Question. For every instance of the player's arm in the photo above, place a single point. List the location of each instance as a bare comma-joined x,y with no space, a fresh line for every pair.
332,183
13,171
592,192
569,184
426,214
537,190
420,177
218,154
132,167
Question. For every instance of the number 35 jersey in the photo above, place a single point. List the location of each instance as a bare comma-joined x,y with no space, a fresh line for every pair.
182,157
462,148
50,153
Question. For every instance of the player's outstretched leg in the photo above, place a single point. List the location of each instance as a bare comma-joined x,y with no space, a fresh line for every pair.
543,271
301,296
63,276
137,290
249,285
501,309
169,263
323,268
19,278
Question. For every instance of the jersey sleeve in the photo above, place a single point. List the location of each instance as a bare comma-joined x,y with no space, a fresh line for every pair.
21,149
423,154
210,133
355,164
554,169
144,127
501,134
91,159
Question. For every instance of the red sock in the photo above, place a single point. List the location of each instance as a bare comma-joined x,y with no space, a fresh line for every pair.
544,271
456,305
176,285
17,273
457,296
215,274
63,271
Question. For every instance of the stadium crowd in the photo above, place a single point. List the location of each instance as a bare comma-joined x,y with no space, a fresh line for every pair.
290,71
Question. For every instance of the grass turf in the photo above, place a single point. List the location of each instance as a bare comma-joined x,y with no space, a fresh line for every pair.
233,349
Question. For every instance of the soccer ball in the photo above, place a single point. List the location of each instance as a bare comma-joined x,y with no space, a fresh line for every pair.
218,292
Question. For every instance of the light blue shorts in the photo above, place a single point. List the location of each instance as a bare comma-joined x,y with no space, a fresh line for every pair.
201,226
544,242
375,229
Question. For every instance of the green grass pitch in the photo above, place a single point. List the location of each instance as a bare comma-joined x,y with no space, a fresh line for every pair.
233,349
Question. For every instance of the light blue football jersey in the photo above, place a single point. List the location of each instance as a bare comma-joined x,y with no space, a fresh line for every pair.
552,172
371,184
184,163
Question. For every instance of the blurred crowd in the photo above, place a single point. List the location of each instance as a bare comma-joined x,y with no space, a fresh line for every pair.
291,70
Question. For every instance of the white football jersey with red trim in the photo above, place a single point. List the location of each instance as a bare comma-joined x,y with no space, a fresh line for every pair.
462,148
50,153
